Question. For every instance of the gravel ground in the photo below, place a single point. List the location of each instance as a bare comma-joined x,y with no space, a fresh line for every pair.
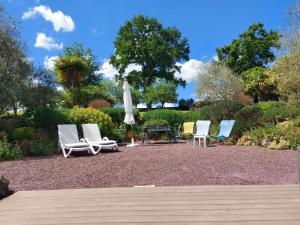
155,164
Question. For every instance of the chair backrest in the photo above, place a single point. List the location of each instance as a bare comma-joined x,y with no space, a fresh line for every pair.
67,133
91,132
202,127
226,128
188,127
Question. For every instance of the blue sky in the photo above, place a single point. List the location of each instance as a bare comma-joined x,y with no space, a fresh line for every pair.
207,25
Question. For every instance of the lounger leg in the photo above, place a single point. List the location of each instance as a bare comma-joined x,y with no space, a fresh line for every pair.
199,142
66,155
193,141
204,142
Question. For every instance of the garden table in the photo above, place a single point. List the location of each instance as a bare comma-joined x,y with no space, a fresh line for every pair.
161,129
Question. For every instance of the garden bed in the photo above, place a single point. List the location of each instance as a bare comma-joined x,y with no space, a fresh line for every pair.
155,164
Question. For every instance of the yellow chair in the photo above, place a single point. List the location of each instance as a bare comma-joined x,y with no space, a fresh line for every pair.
188,129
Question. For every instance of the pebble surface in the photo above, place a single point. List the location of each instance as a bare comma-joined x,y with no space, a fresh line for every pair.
159,164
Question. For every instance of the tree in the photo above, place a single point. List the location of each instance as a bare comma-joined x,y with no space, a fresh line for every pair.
217,82
70,71
161,92
291,35
253,48
260,84
86,54
41,89
287,70
185,104
15,68
143,41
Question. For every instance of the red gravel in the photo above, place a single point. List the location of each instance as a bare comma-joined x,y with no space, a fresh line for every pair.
158,164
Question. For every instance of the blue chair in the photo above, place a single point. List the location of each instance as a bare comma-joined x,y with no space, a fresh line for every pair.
225,129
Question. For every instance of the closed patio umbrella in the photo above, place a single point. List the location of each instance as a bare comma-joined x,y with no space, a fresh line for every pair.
129,118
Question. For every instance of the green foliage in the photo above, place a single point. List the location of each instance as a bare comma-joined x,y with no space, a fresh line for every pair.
40,148
281,136
90,115
70,70
253,48
161,92
221,110
174,118
15,71
7,152
48,119
286,71
260,84
86,54
23,133
185,104
191,116
118,115
155,122
274,112
144,41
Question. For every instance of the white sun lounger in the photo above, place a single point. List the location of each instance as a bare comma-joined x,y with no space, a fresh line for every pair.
92,134
69,142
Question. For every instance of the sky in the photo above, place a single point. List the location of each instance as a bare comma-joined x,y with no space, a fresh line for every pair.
49,25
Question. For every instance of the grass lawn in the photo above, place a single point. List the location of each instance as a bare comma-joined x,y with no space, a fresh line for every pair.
155,164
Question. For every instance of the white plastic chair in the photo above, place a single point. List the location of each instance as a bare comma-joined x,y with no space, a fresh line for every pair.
91,133
69,142
202,129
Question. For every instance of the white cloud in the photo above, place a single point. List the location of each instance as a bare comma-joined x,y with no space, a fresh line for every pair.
59,20
42,41
189,70
109,71
49,62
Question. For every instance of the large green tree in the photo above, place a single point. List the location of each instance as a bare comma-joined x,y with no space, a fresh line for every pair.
253,48
161,92
145,42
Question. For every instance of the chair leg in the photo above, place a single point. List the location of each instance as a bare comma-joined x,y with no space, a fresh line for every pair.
204,142
66,155
193,141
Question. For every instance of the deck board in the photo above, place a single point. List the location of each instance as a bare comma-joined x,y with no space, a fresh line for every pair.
202,205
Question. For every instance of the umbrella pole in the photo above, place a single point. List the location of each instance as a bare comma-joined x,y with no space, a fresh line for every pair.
132,140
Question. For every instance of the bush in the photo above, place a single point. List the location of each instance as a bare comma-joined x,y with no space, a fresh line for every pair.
274,112
174,118
40,148
247,118
155,122
8,152
91,115
48,119
218,111
118,114
23,133
192,116
281,136
99,103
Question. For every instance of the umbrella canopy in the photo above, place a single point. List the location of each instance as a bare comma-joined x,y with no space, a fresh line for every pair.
129,118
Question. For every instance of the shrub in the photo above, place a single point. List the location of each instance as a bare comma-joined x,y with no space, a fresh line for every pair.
118,114
247,118
191,116
174,118
218,111
99,103
91,115
23,133
48,119
281,136
40,148
7,152
155,122
274,112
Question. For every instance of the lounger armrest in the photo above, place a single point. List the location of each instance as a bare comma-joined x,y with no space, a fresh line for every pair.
105,139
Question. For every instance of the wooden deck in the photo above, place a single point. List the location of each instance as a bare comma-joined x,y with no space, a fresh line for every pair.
204,205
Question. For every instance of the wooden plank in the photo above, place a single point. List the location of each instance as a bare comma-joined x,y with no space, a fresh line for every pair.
207,205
